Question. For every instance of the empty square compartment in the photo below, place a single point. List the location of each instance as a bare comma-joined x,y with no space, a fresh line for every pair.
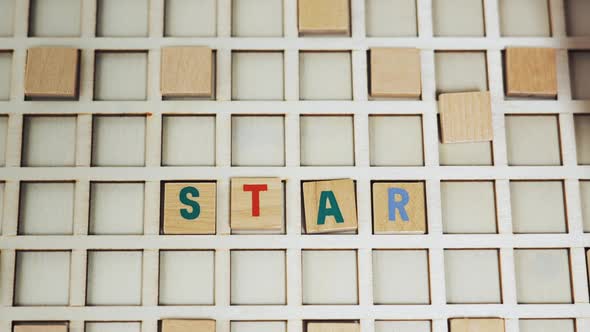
49,141
54,18
468,207
536,12
542,276
392,287
258,326
339,277
5,73
116,208
391,18
546,325
190,18
582,129
396,140
465,154
120,76
325,76
188,140
580,73
114,278
533,140
2,188
472,276
537,207
576,17
112,327
585,202
258,140
326,140
257,75
460,71
403,326
7,18
122,18
3,137
42,278
458,18
187,277
118,140
46,208
257,18
258,277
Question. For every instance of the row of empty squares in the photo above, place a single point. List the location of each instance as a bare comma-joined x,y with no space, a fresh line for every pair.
384,18
259,140
259,277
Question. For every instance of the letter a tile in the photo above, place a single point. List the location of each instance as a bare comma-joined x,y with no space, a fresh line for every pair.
189,207
256,204
188,325
399,207
330,206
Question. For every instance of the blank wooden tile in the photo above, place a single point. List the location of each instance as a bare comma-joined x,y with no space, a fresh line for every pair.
188,325
187,72
338,284
580,74
257,75
53,289
114,278
585,201
49,141
112,327
546,325
395,73
257,18
472,276
187,277
392,287
465,117
319,206
336,135
576,15
458,18
188,140
386,134
533,140
582,129
52,72
46,208
120,76
324,17
5,74
189,207
258,277
258,140
333,327
256,204
190,18
542,269
122,18
391,18
531,72
468,207
403,326
465,154
391,212
258,326
118,140
460,71
116,208
55,18
537,207
325,75
7,18
476,325
537,23
41,327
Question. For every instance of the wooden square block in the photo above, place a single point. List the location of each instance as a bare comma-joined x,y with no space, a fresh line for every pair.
333,327
187,72
477,325
395,73
531,72
52,72
399,207
188,325
41,327
465,117
330,206
324,17
190,207
256,204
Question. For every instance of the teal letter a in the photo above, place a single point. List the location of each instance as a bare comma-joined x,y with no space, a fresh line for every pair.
333,210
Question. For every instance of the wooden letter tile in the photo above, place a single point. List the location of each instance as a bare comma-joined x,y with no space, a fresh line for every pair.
41,327
189,207
324,17
399,207
52,72
531,72
395,73
188,325
333,327
330,206
465,117
477,325
187,72
256,204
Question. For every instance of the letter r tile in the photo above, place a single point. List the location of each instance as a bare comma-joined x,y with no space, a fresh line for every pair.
330,206
399,207
189,207
256,204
